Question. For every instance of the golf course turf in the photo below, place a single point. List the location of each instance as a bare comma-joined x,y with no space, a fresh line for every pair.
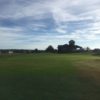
47,76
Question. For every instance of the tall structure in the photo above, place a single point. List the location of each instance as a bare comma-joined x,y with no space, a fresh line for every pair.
71,47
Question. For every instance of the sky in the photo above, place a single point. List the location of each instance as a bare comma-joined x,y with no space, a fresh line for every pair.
30,24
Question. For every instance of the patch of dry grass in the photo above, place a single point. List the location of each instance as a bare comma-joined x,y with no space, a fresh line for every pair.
90,69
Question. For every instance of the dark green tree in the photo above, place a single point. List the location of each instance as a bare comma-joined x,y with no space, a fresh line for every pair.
71,43
72,46
50,49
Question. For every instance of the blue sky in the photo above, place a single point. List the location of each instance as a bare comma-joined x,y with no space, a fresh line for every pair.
30,24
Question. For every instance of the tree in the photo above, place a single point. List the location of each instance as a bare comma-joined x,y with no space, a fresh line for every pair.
96,51
50,49
72,46
36,50
71,43
88,49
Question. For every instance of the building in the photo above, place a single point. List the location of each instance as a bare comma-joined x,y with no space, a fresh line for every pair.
71,47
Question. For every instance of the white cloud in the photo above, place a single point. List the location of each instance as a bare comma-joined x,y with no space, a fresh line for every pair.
61,12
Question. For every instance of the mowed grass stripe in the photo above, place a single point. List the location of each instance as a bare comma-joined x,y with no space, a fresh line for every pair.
35,63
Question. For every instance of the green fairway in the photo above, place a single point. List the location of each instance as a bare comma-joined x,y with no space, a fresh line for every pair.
49,77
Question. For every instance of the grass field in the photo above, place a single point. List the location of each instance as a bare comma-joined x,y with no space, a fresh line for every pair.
50,77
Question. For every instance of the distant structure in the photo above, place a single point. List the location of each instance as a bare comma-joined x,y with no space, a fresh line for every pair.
96,51
71,47
10,52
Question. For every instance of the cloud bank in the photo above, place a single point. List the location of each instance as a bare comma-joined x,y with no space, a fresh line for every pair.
37,23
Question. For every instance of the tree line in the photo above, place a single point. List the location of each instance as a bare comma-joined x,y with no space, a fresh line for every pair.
71,47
